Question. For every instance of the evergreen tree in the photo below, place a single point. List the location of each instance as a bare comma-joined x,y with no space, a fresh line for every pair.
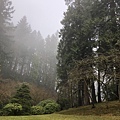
22,45
106,17
50,51
76,43
6,11
23,97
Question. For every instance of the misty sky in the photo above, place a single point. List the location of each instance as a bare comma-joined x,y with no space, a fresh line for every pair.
43,15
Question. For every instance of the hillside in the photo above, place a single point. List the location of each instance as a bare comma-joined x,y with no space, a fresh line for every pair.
100,109
8,88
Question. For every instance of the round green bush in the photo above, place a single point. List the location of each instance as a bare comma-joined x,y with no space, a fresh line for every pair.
51,108
45,102
37,110
12,109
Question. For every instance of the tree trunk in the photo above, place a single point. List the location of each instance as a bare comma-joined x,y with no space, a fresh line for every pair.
119,89
93,94
15,65
99,91
23,62
79,94
86,94
82,90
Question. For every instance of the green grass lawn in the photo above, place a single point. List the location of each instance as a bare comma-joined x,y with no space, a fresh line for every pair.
100,112
60,117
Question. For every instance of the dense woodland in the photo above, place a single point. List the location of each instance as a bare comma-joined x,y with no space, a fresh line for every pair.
87,68
88,65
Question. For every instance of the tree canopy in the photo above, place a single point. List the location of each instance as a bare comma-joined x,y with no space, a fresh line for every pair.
87,52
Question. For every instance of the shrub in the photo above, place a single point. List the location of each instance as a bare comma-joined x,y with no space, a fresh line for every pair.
12,109
51,108
45,102
1,112
1,104
37,110
64,103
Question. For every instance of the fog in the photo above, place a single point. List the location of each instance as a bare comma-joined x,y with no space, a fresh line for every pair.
41,14
29,55
32,52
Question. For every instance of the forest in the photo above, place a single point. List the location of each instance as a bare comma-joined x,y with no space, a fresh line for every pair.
79,65
88,56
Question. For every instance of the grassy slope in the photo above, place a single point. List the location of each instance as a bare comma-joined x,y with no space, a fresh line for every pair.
81,113
100,109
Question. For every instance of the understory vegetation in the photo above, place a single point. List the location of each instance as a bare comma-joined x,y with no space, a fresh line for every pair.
21,104
80,113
